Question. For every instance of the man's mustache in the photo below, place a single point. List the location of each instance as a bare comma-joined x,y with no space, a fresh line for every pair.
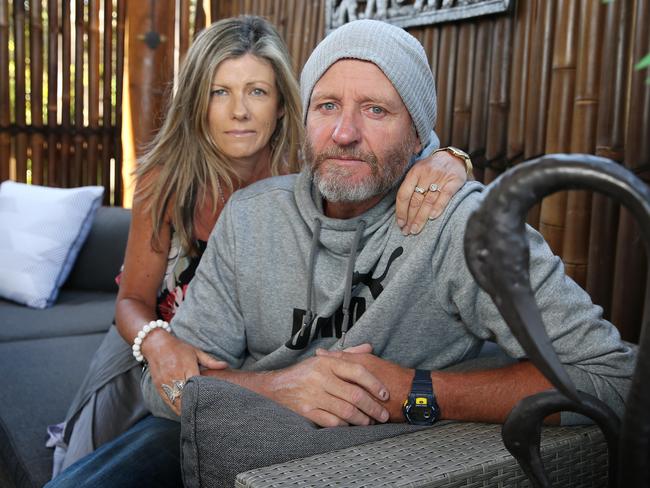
345,153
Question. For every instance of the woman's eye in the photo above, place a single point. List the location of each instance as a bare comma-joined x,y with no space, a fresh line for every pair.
258,92
327,106
218,92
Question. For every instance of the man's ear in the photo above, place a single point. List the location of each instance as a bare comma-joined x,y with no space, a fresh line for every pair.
418,145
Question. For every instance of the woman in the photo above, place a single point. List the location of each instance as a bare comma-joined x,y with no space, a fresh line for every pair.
235,119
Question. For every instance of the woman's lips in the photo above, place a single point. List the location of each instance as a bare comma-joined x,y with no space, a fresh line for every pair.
240,133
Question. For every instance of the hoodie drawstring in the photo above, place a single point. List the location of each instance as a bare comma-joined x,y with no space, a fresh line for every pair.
347,297
313,252
349,274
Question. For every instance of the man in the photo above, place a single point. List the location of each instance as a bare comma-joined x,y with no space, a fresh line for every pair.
300,268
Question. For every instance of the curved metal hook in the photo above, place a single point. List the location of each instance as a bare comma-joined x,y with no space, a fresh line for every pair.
521,431
497,254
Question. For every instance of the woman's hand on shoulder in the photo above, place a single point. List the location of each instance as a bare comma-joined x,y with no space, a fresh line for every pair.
427,189
172,360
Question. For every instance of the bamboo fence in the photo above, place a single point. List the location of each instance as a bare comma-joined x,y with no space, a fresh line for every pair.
61,93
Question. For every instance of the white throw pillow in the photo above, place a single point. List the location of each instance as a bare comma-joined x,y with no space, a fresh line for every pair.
41,232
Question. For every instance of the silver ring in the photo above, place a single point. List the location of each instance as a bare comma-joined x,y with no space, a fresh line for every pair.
434,187
175,391
419,190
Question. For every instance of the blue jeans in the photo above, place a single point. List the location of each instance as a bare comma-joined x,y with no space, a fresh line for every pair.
148,454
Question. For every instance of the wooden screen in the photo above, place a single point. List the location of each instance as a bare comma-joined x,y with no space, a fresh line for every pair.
61,64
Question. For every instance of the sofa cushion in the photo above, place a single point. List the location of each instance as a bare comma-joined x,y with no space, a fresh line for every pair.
102,255
227,429
76,312
43,229
38,380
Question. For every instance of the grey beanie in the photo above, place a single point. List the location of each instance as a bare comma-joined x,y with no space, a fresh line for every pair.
397,53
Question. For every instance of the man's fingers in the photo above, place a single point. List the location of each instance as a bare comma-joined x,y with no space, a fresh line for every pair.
364,348
323,418
354,404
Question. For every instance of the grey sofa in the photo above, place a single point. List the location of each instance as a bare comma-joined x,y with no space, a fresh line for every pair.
44,354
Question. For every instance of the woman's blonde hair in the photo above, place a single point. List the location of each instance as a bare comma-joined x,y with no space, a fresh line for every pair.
187,161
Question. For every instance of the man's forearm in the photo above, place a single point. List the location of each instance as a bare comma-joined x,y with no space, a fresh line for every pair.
487,395
251,380
478,396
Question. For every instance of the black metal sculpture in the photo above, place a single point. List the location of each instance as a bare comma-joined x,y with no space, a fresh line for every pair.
497,254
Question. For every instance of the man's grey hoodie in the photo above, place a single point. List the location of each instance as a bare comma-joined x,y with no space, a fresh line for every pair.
280,279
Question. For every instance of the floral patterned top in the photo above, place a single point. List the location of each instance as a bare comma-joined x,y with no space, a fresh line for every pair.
179,273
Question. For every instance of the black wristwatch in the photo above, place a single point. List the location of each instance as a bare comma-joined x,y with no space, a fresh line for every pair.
421,407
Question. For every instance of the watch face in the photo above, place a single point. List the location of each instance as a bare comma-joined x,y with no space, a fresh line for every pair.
421,410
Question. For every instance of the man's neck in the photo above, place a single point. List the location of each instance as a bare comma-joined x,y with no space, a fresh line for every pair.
349,210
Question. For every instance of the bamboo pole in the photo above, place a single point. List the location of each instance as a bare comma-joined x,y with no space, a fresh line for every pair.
19,94
53,153
92,166
37,140
630,279
184,28
609,143
497,128
446,80
575,249
558,127
539,79
295,38
66,85
479,110
107,108
79,105
119,88
462,105
524,17
5,111
538,87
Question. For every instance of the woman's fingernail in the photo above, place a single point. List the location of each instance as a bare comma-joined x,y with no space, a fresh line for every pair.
383,394
384,416
400,223
415,229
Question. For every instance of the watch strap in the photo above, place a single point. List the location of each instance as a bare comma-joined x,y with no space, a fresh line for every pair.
459,153
422,383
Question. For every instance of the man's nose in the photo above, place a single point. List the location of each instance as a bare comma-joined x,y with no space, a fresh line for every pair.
347,130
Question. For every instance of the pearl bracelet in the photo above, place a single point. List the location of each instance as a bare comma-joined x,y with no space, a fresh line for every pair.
137,342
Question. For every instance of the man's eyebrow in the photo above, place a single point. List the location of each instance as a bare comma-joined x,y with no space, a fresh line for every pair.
378,99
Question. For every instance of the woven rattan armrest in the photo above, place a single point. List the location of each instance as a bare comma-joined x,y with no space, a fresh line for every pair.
450,455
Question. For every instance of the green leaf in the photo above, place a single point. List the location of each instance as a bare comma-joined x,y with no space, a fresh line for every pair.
644,63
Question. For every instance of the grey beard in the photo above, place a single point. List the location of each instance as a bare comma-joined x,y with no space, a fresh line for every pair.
335,187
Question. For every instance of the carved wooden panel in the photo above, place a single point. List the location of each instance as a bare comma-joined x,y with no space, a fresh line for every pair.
407,13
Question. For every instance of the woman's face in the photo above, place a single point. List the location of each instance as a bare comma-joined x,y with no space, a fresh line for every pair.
244,108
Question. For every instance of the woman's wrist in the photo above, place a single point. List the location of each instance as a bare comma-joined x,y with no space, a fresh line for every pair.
155,327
